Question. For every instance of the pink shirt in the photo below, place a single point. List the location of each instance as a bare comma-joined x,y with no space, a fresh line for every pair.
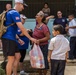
40,33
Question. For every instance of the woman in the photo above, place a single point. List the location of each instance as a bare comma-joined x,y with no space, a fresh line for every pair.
46,10
23,47
42,34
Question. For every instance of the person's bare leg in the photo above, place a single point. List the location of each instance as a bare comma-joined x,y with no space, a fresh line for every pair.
21,66
44,72
9,65
16,63
40,72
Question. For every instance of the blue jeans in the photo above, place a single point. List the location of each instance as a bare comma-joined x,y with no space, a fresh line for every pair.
57,67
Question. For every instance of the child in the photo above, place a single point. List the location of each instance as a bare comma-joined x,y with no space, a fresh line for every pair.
58,51
72,32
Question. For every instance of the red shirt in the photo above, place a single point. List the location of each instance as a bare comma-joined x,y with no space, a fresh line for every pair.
40,33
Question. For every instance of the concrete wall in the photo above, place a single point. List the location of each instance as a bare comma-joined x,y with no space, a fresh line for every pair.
31,23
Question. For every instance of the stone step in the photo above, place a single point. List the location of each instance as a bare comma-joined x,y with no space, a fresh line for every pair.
1,53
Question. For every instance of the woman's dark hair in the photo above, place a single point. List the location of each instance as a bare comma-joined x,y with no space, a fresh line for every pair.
58,28
46,3
43,20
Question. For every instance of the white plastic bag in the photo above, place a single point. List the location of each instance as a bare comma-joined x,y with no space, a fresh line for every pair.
36,57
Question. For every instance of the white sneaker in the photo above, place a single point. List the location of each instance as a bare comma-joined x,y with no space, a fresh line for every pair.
23,73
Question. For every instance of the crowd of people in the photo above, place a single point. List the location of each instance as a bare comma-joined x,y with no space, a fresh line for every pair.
16,40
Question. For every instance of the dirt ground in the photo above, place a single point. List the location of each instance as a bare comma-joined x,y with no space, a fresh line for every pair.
69,70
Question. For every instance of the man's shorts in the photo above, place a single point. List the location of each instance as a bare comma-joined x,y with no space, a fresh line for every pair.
9,47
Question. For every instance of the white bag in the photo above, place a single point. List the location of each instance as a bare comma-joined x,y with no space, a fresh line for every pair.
36,57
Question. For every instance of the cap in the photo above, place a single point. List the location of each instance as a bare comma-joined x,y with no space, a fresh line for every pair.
41,13
23,16
21,1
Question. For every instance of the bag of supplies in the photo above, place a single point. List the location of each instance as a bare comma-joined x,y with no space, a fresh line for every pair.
36,57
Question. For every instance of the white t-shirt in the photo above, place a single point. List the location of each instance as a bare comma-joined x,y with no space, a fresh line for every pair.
59,46
72,32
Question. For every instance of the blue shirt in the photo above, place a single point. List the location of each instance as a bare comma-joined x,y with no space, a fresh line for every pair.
12,16
62,21
24,38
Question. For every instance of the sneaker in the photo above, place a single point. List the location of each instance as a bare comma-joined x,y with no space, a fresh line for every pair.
23,73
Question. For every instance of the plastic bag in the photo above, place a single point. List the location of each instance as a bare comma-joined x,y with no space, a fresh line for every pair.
36,57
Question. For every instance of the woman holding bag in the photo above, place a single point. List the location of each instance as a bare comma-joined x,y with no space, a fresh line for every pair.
42,34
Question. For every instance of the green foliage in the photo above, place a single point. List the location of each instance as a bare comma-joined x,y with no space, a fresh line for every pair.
2,72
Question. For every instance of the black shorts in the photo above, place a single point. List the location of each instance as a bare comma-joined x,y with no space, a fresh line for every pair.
9,47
